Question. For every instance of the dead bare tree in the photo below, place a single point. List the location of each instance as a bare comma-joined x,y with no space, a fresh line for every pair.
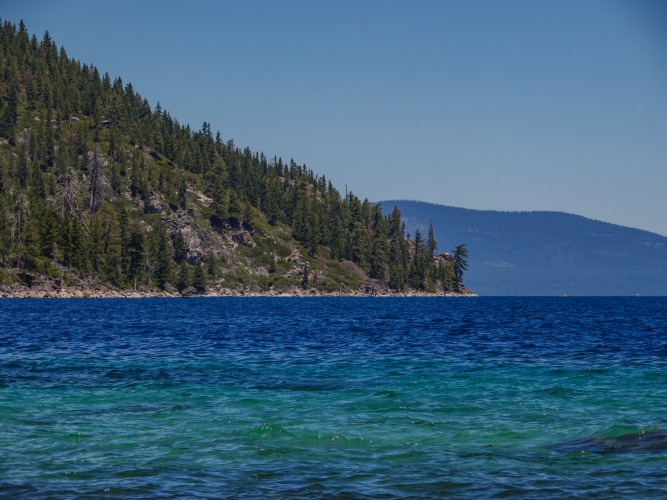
69,196
20,219
97,180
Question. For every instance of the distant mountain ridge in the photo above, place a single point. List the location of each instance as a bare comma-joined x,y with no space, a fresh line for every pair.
545,253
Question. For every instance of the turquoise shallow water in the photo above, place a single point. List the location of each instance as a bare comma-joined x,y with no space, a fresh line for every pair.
356,398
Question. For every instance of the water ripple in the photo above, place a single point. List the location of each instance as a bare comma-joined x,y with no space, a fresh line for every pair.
318,398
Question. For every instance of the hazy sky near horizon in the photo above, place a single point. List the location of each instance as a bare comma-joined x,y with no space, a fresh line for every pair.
505,105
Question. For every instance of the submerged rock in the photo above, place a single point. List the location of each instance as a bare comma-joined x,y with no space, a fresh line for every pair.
654,441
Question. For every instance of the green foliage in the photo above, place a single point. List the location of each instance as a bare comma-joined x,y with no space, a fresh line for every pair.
338,279
159,257
183,276
199,278
460,264
90,174
304,279
180,248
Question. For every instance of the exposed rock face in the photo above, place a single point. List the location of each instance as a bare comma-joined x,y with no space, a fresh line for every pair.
371,289
24,136
199,241
190,292
243,238
261,271
149,153
155,205
194,244
295,257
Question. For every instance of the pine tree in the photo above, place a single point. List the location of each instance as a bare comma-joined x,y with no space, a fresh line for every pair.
48,228
460,264
417,276
135,255
184,276
5,231
304,279
180,248
20,210
97,180
199,278
74,245
106,244
8,112
182,195
379,258
431,244
22,168
159,255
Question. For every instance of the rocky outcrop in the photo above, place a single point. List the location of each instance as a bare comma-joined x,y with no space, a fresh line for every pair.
199,241
243,238
155,205
294,257
190,292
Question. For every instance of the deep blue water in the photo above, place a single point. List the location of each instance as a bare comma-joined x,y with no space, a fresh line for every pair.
316,398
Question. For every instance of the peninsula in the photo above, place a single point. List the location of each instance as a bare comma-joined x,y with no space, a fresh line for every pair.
103,196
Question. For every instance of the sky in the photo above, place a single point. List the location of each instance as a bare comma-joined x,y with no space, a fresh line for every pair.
516,105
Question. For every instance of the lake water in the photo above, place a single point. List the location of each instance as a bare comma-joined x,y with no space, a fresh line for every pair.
323,397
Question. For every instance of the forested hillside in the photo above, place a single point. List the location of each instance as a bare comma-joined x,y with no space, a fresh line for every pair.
98,187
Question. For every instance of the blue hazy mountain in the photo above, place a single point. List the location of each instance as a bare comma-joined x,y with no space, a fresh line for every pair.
544,253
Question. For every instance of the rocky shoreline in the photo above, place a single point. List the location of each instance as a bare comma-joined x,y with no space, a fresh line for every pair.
39,286
131,294
48,291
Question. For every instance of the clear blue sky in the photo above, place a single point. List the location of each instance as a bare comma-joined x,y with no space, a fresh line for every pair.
507,105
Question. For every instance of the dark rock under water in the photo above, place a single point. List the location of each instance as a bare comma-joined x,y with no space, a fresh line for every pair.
654,441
